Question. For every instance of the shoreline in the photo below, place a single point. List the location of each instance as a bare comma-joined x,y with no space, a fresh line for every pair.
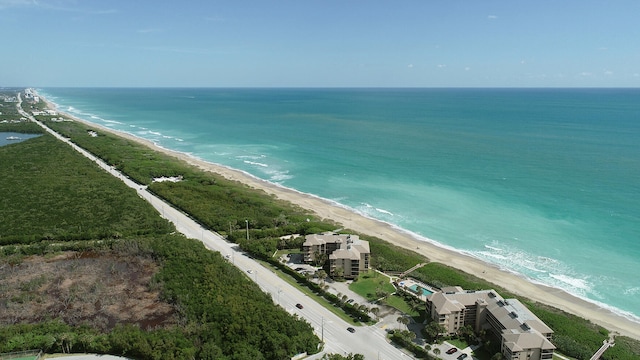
350,219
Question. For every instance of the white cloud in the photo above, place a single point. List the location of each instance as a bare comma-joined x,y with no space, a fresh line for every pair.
585,74
467,68
14,3
147,31
442,66
608,72
492,17
410,66
60,6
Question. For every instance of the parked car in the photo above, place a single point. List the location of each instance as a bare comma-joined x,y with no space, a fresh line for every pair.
351,330
462,356
452,350
299,306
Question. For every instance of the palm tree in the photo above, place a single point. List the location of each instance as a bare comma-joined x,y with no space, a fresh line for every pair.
321,275
338,272
403,320
434,330
381,293
465,332
375,311
416,304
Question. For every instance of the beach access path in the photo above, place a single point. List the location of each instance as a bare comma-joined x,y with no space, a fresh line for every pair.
369,341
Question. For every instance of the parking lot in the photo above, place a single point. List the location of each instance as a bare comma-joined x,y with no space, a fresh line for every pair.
446,352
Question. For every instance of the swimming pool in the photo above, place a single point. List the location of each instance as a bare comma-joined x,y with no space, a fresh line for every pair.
415,288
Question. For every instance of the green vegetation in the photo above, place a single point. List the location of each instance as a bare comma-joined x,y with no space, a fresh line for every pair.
398,302
459,343
340,357
52,193
224,307
215,319
23,127
56,202
372,286
217,203
390,258
224,315
405,338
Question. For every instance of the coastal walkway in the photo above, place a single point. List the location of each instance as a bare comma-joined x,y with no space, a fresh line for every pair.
402,275
605,345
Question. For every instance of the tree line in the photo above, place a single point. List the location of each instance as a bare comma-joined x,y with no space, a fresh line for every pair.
56,201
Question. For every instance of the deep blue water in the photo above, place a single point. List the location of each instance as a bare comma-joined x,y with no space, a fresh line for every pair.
542,182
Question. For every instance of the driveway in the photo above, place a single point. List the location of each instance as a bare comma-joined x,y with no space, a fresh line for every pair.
445,346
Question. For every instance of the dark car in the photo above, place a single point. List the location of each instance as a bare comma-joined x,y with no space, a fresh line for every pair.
299,306
351,330
462,356
452,350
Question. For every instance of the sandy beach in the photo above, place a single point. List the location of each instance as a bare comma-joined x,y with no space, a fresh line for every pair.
351,220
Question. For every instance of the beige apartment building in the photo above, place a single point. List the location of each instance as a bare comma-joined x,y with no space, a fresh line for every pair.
521,334
344,251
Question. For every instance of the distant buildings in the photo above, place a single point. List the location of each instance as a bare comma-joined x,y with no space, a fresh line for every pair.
47,112
346,253
521,334
30,95
9,99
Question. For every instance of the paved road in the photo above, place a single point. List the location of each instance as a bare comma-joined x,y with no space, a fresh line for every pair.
369,341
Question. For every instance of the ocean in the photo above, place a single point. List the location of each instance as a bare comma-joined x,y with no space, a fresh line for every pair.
544,183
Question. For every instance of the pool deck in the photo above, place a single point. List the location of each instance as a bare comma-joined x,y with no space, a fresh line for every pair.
406,285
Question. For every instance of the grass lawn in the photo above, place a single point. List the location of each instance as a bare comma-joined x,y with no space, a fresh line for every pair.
399,303
368,283
460,344
558,357
287,251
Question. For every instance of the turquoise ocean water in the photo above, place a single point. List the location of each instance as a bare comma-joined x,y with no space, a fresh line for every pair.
541,182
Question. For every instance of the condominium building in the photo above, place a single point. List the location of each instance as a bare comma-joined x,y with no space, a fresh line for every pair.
521,334
344,251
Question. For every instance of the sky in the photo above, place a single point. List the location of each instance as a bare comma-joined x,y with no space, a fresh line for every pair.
320,43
